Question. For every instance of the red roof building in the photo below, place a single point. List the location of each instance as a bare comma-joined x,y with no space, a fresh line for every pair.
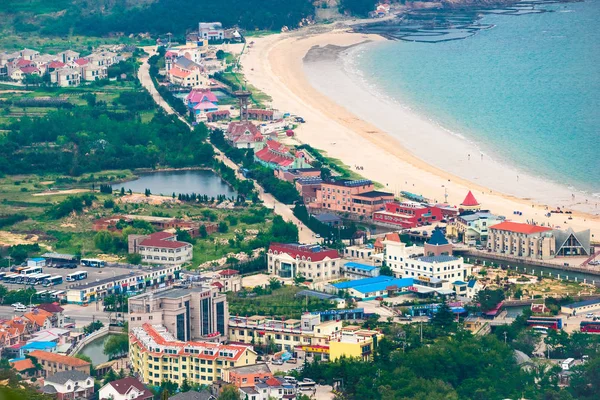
470,203
81,61
408,214
311,261
244,135
517,227
199,95
275,155
514,239
160,248
125,389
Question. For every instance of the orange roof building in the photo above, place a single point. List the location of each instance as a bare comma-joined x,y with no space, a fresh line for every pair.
154,341
40,318
22,365
515,239
379,246
52,363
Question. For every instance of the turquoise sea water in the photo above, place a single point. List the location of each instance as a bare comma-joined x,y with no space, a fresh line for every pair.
526,90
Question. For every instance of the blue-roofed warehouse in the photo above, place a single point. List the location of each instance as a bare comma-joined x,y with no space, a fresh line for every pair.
354,270
370,288
581,307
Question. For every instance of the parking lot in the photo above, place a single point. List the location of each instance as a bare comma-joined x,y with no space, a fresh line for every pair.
93,274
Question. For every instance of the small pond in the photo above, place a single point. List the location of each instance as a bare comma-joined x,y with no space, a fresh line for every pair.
204,182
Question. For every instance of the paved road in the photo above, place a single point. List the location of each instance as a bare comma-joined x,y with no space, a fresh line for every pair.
305,234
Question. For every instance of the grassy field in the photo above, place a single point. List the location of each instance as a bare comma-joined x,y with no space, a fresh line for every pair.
74,234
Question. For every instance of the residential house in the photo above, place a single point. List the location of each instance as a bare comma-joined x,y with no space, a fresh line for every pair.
29,54
68,56
291,175
186,73
57,319
211,31
40,319
194,395
161,248
24,367
66,77
244,135
248,375
125,389
201,102
267,389
379,245
276,155
230,279
52,363
69,385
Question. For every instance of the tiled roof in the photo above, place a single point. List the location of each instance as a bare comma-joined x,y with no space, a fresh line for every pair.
56,64
518,227
65,376
179,73
22,365
58,358
392,237
159,239
81,61
470,200
229,272
38,317
205,105
123,386
50,307
193,395
29,69
295,251
237,128
198,96
275,153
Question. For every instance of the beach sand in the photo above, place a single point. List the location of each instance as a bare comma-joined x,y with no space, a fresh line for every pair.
276,64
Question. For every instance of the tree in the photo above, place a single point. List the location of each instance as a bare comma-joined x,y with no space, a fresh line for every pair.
185,386
443,318
116,346
92,327
221,55
103,240
488,299
229,392
202,231
223,227
385,270
274,283
134,258
88,359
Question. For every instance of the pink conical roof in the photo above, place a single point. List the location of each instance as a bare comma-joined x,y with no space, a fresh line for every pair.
470,200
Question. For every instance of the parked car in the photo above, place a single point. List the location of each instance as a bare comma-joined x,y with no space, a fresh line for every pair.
292,361
277,362
379,298
589,315
20,308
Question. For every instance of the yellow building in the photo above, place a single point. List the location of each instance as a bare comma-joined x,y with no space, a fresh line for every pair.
354,341
308,334
157,356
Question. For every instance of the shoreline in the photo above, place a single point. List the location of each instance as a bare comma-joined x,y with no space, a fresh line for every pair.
275,64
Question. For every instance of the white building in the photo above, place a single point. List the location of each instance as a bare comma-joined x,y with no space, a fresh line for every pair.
407,263
211,30
69,385
125,389
66,77
311,261
161,248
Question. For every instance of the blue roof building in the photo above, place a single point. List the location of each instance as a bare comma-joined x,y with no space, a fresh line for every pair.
354,270
380,286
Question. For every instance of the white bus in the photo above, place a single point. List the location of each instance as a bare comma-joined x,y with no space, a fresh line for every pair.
93,262
77,276
39,279
30,278
306,384
10,278
31,270
54,280
566,364
540,329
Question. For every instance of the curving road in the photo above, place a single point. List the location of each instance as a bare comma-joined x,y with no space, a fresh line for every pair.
305,234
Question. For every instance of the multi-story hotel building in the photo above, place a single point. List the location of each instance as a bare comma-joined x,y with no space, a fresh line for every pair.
156,356
197,313
353,197
310,261
329,339
472,227
433,261
522,240
160,248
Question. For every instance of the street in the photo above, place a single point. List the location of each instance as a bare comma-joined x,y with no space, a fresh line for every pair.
304,233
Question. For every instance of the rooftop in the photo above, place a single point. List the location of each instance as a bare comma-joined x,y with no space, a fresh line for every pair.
437,259
437,238
313,251
517,227
122,386
63,377
375,284
360,266
57,358
583,303
469,200
251,369
374,193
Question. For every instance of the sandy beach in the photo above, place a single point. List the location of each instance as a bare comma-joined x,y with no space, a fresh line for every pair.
359,133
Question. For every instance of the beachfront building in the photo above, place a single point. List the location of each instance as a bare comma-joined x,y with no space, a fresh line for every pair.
91,291
311,261
470,203
522,240
156,356
276,155
308,333
211,31
408,214
357,197
472,227
184,72
244,135
308,187
539,242
160,248
197,313
415,261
